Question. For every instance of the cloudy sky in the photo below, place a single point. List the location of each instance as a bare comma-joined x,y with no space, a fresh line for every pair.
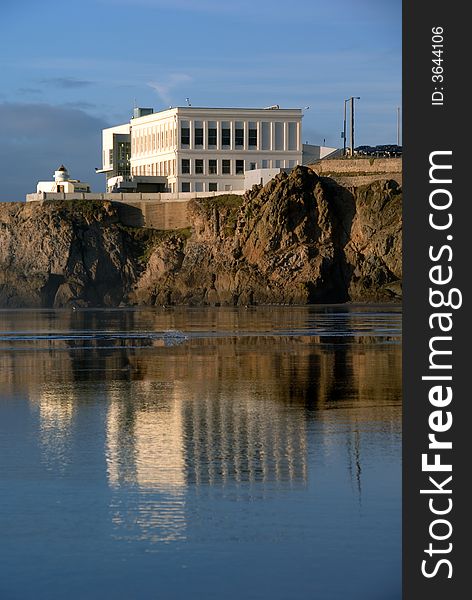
71,68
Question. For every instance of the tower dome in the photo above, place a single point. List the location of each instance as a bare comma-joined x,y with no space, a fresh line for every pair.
61,174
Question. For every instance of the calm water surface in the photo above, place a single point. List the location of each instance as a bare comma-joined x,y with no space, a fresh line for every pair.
201,454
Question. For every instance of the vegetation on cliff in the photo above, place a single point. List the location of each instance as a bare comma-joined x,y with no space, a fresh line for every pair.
299,239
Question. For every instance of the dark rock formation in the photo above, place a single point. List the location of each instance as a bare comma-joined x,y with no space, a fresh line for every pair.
299,239
60,254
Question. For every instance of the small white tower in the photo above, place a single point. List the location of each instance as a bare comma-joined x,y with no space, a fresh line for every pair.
62,184
61,174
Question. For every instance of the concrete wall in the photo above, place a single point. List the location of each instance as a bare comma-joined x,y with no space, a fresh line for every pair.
359,171
128,196
258,176
156,215
358,165
312,152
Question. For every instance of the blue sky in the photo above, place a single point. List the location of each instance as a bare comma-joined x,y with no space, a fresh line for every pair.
71,68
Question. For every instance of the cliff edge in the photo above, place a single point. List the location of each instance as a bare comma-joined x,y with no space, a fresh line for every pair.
299,239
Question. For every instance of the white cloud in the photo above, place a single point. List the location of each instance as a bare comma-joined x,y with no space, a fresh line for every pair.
164,88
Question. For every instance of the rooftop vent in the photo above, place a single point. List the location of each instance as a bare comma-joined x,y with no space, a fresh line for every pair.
141,112
273,107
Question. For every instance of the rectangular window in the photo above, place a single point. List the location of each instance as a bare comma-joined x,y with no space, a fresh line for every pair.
212,187
185,186
124,151
212,135
198,133
212,167
110,157
252,135
226,136
252,166
239,167
199,186
292,136
185,166
199,166
265,135
226,167
279,136
185,136
239,136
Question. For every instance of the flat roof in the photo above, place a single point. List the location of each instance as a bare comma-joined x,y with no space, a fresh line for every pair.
223,109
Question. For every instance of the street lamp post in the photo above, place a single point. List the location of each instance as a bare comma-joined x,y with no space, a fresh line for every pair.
352,98
398,125
344,128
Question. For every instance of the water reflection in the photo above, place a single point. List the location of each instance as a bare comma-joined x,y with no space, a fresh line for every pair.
235,409
144,449
56,406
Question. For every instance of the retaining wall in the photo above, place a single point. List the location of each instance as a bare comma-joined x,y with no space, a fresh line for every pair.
359,171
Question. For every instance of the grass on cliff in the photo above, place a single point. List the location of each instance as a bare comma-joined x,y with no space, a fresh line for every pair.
230,201
88,210
144,240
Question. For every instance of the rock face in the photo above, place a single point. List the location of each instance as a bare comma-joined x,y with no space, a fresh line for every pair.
57,254
299,239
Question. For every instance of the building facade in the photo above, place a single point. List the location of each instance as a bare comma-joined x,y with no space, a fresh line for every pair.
190,149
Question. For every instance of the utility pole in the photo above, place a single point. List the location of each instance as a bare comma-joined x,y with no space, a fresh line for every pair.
344,128
398,125
352,98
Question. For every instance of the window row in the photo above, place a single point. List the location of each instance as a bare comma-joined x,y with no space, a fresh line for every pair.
226,167
202,186
212,136
165,167
152,139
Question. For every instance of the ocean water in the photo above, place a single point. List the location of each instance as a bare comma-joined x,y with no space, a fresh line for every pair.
201,453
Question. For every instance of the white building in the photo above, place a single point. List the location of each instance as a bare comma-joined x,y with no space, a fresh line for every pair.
190,149
62,183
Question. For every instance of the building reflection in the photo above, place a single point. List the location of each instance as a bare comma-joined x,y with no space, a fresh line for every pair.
56,407
252,441
161,439
144,452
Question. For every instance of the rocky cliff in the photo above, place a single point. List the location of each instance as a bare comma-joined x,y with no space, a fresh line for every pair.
299,239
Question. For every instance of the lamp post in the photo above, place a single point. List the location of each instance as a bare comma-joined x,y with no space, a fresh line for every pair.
344,128
398,125
352,98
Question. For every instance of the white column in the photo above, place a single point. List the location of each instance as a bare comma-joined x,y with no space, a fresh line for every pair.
205,135
285,136
272,135
246,135
232,127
